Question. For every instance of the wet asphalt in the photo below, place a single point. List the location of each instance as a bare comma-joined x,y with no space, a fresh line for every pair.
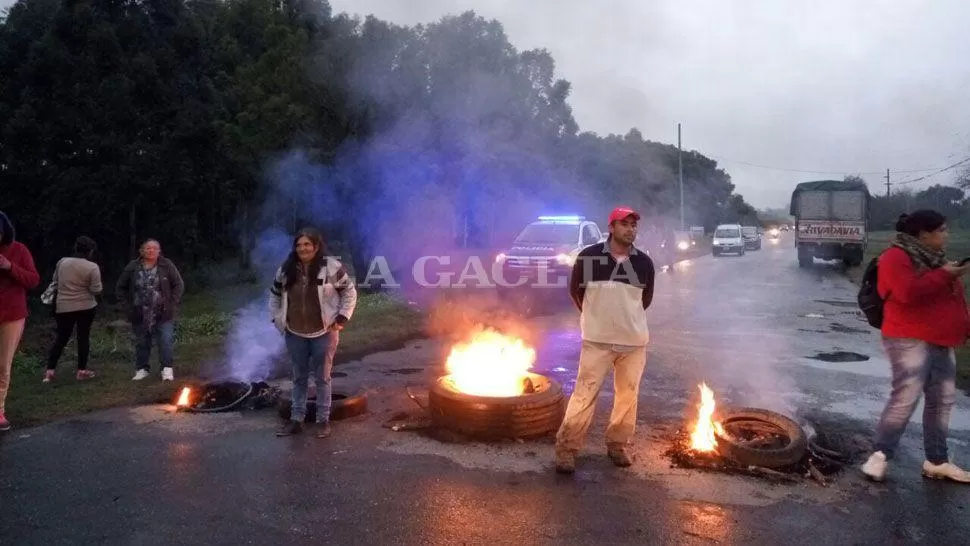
747,326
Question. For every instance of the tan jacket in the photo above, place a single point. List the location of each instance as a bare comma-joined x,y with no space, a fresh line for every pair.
78,282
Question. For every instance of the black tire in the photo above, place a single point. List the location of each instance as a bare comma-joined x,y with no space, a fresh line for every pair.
343,406
492,418
804,258
716,254
790,454
853,259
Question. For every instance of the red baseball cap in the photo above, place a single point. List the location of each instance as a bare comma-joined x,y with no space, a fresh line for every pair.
619,213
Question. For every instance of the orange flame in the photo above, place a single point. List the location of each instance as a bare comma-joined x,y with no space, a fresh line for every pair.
184,398
703,438
491,364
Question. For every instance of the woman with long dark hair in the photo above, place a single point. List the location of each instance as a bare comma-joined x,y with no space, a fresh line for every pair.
924,318
17,275
78,282
311,300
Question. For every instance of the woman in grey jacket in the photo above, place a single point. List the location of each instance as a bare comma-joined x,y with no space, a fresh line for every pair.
78,283
151,289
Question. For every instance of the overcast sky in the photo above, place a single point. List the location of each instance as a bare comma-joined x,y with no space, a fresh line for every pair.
841,86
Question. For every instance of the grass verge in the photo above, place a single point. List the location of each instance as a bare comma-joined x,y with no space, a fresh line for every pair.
380,323
958,247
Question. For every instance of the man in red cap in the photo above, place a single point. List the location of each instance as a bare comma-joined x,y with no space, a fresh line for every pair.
612,285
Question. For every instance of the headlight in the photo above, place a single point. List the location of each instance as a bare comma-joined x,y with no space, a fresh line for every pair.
565,259
683,245
500,258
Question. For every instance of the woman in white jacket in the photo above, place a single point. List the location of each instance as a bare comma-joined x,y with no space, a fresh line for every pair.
311,300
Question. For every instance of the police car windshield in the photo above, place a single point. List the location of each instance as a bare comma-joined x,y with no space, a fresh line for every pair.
727,233
557,234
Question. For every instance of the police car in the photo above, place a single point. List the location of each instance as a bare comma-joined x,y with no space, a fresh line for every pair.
543,253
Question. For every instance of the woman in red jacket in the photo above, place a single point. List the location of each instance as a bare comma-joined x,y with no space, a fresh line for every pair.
17,276
924,318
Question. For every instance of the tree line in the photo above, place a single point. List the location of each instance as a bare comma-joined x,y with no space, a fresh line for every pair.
203,123
885,208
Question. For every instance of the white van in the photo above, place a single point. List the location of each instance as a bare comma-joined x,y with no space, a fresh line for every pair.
728,240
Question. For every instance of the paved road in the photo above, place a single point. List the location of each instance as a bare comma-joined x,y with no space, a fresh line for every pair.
747,326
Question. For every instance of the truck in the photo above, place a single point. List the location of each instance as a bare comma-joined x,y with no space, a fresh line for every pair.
831,221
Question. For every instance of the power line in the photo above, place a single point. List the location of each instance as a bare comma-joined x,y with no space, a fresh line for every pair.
908,171
924,177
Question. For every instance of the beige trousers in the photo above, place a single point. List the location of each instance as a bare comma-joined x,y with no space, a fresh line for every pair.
595,361
10,333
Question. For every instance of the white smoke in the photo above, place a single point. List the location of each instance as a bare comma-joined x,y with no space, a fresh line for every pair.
254,343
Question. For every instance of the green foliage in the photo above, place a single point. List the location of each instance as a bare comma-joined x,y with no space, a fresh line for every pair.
28,363
209,325
166,119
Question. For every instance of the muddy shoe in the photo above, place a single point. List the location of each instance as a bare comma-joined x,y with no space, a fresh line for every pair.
565,461
293,427
324,430
620,456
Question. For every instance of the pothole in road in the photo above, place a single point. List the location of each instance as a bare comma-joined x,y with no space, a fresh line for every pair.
840,356
404,371
838,303
842,329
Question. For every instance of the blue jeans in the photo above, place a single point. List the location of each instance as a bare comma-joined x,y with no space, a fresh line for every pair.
918,367
162,334
312,355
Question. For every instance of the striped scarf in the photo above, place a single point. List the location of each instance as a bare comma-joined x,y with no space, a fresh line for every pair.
923,256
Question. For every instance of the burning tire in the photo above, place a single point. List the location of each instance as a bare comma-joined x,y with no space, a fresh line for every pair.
228,396
344,405
758,437
528,415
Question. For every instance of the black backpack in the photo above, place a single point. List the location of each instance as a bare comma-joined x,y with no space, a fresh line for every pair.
870,302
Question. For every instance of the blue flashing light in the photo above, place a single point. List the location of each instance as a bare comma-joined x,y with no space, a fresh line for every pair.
572,218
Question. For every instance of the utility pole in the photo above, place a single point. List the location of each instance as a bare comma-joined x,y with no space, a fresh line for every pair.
680,175
887,183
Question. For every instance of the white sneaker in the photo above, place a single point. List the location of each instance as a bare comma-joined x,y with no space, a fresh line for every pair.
945,471
876,466
168,374
139,375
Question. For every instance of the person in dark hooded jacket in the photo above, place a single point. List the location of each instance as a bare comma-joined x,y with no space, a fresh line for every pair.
17,275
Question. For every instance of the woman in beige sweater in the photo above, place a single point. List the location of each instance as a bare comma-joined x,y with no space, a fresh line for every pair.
78,285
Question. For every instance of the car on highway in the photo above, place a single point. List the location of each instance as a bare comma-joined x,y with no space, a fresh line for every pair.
542,256
728,240
752,237
684,240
